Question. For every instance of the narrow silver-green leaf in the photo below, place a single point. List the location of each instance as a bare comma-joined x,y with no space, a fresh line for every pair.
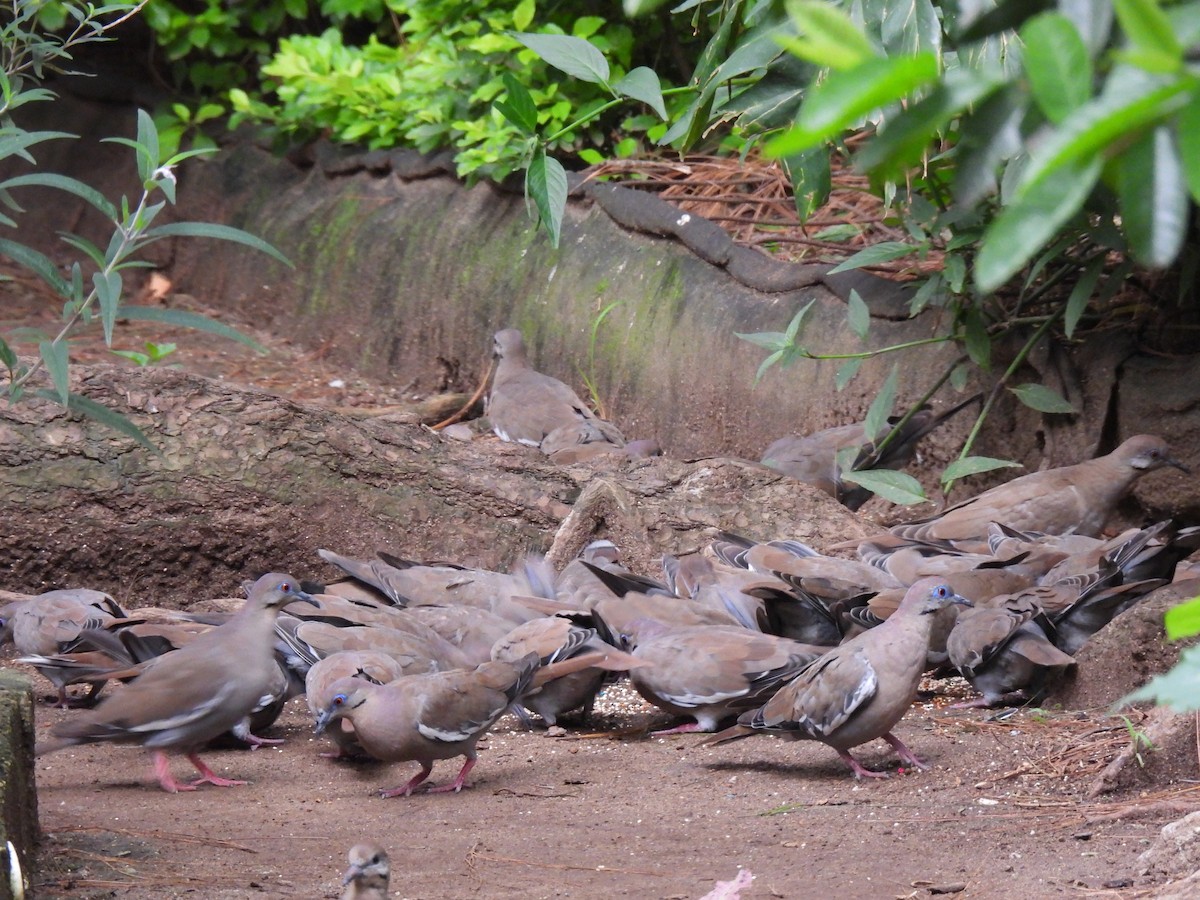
54,355
186,319
547,183
1042,398
898,487
573,55
108,290
102,414
973,465
768,340
858,317
36,261
7,357
219,232
884,251
63,183
1080,295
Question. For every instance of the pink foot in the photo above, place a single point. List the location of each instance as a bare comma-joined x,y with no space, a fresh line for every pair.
162,770
407,789
208,776
687,728
904,753
859,771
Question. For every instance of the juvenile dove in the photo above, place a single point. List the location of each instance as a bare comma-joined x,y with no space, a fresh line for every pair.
367,877
859,690
193,694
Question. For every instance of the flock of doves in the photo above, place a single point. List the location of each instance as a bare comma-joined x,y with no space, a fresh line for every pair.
402,661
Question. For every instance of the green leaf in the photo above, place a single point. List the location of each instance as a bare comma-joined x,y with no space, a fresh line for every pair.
213,230
1153,197
1183,620
1148,29
875,254
63,183
185,319
975,337
1022,229
147,140
642,84
1178,688
1187,133
858,317
108,290
811,178
37,262
796,325
7,357
845,98
573,55
988,136
847,371
102,414
768,340
1081,294
519,108
898,487
54,354
973,465
1042,398
828,37
1057,64
777,356
875,424
546,181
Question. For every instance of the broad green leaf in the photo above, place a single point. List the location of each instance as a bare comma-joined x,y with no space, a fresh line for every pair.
37,262
1148,29
1132,101
974,465
213,230
845,98
636,8
884,251
54,355
547,183
907,136
1187,133
771,102
1042,398
847,371
102,414
928,292
975,337
910,27
108,291
811,178
1153,198
64,183
1057,65
828,37
1080,295
988,136
858,317
875,424
1006,16
692,125
1022,229
1183,620
523,14
519,108
186,319
899,487
1179,689
642,84
573,55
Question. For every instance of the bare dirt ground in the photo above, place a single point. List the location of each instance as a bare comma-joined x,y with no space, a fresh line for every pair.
602,809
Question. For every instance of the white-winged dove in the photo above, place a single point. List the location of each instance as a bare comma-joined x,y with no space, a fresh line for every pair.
859,690
193,694
369,665
368,874
526,406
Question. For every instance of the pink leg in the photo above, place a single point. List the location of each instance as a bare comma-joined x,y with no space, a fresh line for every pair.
859,771
686,728
207,775
241,731
407,789
162,770
459,783
903,752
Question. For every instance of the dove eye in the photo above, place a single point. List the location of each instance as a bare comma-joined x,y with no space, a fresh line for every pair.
339,700
285,588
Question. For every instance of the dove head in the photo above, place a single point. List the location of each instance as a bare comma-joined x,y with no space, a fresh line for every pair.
933,595
509,344
1147,452
346,695
367,862
276,589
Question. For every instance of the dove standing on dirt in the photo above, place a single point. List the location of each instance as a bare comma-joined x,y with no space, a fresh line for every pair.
368,874
189,696
859,690
526,406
